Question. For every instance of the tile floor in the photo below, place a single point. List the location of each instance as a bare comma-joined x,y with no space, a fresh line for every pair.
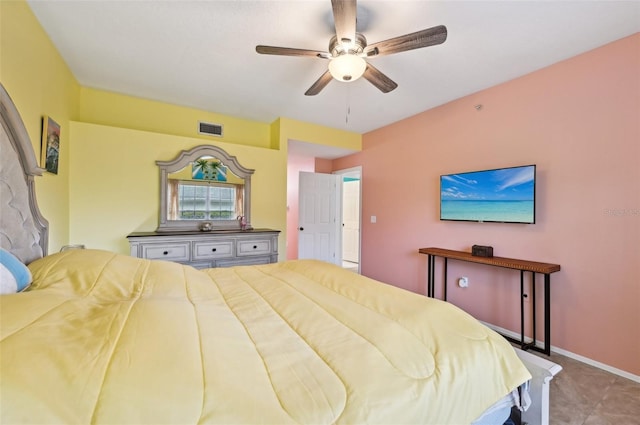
585,395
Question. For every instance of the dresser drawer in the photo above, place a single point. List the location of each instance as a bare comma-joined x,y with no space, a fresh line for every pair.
176,251
244,261
253,247
211,249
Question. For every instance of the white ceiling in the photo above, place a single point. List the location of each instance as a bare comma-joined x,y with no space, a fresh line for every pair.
202,53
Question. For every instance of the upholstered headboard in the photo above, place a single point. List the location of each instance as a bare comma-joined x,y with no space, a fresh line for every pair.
23,230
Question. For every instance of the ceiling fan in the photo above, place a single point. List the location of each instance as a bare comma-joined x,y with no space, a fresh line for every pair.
348,50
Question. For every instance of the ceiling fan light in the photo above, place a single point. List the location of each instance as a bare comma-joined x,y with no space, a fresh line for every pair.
347,67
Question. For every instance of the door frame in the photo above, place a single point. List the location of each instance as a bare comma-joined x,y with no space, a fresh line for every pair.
353,171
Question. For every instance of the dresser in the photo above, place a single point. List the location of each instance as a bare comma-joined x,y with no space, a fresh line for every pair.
217,248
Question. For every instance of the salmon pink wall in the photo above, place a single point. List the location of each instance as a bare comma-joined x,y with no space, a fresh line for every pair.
323,165
579,122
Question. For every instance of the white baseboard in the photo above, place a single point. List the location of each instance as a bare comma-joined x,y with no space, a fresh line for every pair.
578,357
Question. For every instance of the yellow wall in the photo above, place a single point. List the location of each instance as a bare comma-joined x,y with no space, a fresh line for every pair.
39,83
289,129
117,110
128,197
108,183
105,210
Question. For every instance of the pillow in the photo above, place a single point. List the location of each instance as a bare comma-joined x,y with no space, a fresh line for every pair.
14,276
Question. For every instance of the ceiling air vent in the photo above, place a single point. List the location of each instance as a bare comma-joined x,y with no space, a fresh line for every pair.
210,129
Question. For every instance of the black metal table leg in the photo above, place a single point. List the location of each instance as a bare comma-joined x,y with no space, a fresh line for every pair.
547,314
445,280
429,276
522,309
533,306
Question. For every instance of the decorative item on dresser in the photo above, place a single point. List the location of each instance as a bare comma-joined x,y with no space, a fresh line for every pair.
206,222
222,248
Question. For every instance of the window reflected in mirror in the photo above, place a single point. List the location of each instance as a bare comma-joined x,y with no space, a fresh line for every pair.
204,200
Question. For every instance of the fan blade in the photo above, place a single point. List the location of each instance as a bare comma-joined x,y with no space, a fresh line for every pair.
416,40
319,84
378,79
344,17
288,51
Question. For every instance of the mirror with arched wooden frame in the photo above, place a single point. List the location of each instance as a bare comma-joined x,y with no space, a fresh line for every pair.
204,189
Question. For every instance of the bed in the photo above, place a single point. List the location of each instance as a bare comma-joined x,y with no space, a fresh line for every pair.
100,337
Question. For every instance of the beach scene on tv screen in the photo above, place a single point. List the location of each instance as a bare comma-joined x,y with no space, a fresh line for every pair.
504,195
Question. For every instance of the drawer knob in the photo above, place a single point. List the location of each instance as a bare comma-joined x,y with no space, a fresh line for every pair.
165,253
214,249
255,247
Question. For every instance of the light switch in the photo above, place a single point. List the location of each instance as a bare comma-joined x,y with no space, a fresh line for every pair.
373,218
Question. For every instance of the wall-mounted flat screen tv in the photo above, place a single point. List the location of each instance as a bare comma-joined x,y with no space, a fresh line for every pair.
504,195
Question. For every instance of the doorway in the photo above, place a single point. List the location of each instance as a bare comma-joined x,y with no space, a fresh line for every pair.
351,217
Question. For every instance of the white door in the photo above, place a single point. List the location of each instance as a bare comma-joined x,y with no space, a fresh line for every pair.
351,221
320,217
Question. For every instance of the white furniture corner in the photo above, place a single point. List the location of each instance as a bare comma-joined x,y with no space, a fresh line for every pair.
542,372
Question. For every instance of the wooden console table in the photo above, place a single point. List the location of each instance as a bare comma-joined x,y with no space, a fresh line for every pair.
509,263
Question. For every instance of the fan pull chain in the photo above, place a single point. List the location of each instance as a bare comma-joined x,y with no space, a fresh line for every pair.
348,111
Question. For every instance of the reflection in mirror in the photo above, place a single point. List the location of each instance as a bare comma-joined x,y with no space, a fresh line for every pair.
204,189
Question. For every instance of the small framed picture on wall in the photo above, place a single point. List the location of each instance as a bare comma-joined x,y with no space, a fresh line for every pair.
50,150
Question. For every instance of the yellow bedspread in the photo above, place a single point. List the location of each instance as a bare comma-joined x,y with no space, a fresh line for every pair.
107,338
